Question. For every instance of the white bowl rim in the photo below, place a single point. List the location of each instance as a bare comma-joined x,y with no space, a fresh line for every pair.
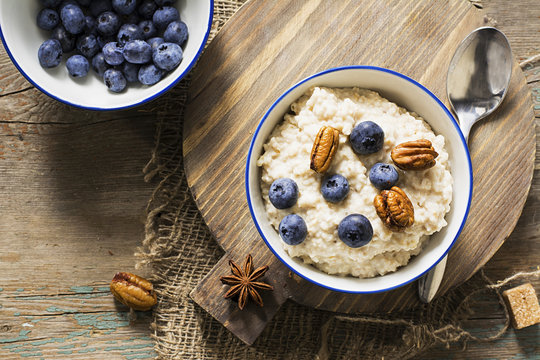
145,100
365,67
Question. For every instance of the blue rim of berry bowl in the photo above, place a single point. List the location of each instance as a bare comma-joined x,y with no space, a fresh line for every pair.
145,100
249,165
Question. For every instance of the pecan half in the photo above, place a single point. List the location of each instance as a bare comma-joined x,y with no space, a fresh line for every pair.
414,155
394,208
324,148
133,291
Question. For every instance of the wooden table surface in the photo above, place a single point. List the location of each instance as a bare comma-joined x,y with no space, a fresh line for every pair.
72,213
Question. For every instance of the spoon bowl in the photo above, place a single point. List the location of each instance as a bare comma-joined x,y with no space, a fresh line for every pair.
478,76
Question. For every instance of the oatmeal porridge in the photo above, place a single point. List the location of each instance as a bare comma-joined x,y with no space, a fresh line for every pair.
287,154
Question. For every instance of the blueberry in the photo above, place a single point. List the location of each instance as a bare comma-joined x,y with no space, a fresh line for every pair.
164,16
113,53
90,25
77,66
50,53
114,80
148,29
283,193
48,19
67,40
124,7
87,45
383,176
293,229
130,71
73,19
99,64
176,32
129,32
155,42
108,23
149,74
167,56
367,138
147,9
334,188
138,52
51,3
165,2
66,2
355,230
100,6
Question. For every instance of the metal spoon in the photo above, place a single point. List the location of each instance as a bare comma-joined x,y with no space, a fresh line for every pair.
476,85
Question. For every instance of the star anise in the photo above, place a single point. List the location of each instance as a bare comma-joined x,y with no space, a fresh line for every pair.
243,282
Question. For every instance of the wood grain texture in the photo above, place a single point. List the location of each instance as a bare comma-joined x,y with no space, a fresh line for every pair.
266,48
72,213
52,257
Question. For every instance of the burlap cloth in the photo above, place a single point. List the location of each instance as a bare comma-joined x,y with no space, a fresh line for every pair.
180,250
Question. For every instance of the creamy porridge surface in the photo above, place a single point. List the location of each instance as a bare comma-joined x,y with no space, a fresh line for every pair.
287,154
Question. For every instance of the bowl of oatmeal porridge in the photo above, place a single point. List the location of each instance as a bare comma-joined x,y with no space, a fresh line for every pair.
370,235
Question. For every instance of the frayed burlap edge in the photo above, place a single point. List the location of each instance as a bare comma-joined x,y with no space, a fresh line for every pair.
180,250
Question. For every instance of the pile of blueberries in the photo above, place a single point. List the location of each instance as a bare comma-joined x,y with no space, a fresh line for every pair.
354,230
125,41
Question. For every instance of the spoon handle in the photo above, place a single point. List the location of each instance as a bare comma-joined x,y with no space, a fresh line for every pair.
466,121
429,283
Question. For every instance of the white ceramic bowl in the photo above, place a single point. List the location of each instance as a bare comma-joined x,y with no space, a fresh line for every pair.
414,97
22,38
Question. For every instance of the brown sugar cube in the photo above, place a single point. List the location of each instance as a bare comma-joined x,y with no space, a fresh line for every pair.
523,305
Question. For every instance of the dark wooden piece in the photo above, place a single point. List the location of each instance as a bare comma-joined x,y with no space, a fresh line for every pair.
268,46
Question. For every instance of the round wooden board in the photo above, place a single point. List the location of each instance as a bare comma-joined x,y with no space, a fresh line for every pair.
268,46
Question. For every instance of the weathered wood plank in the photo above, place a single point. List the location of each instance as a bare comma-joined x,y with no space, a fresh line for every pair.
514,344
10,79
72,214
71,323
520,22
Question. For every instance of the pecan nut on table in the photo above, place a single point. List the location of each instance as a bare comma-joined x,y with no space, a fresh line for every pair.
133,291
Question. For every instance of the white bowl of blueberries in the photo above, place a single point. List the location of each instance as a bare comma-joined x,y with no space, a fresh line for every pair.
405,92
104,54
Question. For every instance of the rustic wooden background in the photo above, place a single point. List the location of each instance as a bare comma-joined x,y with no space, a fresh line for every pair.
72,209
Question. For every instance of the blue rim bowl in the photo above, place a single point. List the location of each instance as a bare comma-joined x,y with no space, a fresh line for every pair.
21,39
409,94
